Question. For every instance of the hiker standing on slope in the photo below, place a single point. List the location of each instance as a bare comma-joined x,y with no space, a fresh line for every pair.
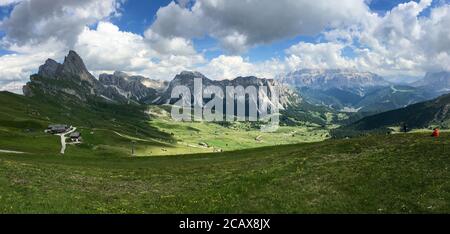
405,128
435,132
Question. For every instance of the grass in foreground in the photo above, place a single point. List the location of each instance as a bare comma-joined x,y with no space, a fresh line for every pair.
402,173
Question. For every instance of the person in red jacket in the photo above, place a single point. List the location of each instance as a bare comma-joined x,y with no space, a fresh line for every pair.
435,132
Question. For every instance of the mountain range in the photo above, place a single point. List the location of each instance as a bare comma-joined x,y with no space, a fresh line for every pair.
319,97
333,78
287,96
439,82
354,91
72,81
73,78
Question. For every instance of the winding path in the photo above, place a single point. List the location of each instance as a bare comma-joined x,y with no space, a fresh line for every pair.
63,139
11,152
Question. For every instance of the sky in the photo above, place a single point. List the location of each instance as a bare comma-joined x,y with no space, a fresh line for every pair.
225,38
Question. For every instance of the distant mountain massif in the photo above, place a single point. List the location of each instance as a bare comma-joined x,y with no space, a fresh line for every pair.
354,91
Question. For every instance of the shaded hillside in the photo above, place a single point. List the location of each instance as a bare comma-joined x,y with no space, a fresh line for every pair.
35,113
369,99
420,115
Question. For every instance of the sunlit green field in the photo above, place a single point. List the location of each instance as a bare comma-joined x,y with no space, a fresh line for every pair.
402,173
193,137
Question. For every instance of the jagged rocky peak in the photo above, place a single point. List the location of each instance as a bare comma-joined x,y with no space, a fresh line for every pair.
79,83
74,65
72,70
49,69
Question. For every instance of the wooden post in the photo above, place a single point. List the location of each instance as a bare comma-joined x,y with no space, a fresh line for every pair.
132,148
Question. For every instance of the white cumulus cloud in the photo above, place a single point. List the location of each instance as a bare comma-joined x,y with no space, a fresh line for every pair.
239,25
410,39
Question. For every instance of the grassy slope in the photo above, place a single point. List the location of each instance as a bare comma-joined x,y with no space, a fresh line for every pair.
111,127
424,115
388,174
420,115
23,120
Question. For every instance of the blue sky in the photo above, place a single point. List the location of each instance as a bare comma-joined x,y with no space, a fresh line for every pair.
138,15
224,38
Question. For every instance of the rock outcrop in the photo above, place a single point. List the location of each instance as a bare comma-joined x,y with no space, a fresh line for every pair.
73,78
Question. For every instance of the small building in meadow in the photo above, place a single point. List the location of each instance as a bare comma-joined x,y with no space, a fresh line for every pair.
75,137
57,128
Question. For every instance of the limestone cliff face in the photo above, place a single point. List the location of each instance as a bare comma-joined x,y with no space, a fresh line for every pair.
74,65
70,78
186,78
49,69
72,68
132,87
73,78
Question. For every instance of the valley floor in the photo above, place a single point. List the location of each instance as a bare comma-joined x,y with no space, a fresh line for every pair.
203,137
400,173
